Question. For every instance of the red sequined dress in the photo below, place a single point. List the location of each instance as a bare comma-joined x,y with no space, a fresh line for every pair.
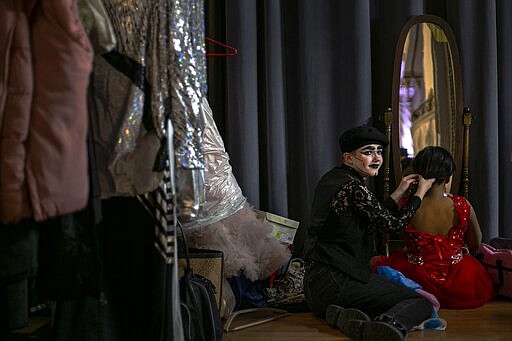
442,265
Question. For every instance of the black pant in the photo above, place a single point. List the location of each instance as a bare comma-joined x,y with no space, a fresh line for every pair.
324,285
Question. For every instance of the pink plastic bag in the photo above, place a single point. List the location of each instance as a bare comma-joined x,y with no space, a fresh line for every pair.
498,262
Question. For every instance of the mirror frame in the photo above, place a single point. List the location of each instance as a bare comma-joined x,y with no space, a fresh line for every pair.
458,119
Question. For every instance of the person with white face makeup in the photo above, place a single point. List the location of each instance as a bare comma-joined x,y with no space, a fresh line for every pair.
339,284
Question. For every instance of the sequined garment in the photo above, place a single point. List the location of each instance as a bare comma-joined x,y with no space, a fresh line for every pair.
125,135
188,79
437,253
188,85
161,52
442,265
156,71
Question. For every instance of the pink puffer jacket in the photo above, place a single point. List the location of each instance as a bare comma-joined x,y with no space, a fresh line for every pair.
45,62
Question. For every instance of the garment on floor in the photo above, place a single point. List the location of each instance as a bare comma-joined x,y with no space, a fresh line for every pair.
434,322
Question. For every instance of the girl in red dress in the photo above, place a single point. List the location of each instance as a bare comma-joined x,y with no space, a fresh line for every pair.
438,239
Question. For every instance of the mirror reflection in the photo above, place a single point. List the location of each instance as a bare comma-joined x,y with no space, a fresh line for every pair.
427,103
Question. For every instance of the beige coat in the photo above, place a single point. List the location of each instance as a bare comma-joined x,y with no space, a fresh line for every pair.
45,62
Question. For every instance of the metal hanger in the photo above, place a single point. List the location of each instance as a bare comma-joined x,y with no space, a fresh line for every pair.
233,50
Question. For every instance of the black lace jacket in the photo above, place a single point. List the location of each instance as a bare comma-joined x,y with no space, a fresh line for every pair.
344,212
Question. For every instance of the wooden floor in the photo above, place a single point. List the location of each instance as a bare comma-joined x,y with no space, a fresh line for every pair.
490,322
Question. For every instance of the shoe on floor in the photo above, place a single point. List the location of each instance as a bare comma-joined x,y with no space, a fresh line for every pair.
372,330
338,317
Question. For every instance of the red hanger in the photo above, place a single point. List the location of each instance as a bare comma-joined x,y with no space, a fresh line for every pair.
233,50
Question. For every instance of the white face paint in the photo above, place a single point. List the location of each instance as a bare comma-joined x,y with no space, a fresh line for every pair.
366,160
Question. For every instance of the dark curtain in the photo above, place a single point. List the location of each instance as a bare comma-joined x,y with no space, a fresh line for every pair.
307,70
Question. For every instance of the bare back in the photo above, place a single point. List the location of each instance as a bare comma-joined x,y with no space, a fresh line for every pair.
436,215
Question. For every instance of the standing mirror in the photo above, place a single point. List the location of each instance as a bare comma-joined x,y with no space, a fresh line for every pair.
426,105
427,94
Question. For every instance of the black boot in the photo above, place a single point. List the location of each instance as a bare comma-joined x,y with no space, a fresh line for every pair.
392,321
340,318
372,331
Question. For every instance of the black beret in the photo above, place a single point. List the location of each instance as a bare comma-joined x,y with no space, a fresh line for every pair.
360,136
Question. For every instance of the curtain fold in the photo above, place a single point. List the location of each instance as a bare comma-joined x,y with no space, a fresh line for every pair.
242,96
273,139
478,52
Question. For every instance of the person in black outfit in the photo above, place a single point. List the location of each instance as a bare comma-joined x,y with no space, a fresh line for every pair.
338,283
